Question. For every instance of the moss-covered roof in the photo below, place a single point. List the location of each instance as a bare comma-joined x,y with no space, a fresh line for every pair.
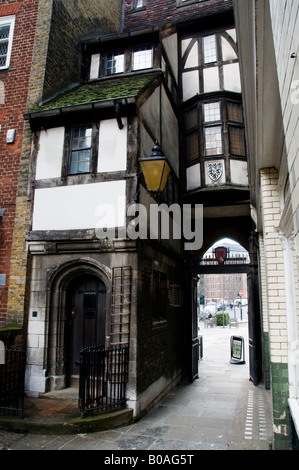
123,87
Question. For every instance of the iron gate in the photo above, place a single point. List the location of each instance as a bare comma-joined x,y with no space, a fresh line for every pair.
103,374
12,376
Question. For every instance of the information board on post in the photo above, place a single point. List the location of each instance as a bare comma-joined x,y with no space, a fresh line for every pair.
237,350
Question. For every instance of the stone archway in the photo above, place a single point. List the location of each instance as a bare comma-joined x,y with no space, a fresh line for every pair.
57,330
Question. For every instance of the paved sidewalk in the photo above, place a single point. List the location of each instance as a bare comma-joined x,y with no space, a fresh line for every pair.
222,410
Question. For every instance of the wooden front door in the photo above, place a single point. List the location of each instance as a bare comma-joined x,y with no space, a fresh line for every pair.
86,317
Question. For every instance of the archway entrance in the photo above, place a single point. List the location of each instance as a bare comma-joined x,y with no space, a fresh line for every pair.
240,265
86,318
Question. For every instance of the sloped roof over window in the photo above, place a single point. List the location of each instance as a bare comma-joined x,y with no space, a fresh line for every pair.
124,87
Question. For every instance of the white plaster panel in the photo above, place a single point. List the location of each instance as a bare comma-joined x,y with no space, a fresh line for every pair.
171,47
193,177
231,74
239,172
170,133
228,52
192,60
190,84
94,66
211,79
112,146
184,44
79,207
49,157
150,111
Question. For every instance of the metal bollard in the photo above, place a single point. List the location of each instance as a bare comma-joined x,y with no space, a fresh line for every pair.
2,353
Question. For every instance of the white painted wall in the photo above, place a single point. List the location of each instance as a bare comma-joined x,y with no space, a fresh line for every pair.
112,146
193,177
171,47
94,66
49,157
79,207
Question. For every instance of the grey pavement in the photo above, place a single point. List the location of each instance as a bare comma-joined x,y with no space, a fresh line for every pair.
221,410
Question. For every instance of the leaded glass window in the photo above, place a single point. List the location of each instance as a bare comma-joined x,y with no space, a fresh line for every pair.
115,63
6,36
143,58
80,152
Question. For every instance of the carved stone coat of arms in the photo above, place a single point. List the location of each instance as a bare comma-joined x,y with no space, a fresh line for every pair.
215,170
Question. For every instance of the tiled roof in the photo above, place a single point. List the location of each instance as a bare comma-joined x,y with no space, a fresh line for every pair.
103,90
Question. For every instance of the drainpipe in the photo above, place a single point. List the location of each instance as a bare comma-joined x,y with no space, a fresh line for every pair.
117,104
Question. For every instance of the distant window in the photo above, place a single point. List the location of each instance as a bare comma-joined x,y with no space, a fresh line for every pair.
236,129
213,141
115,63
139,3
143,58
6,37
212,112
80,150
210,49
212,133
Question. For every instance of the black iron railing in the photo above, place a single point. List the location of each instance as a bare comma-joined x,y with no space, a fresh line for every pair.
103,374
12,375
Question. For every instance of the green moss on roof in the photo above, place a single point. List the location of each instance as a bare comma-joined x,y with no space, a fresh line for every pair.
124,87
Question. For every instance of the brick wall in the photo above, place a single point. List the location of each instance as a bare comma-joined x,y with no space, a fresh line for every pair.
277,339
53,68
71,22
160,12
14,84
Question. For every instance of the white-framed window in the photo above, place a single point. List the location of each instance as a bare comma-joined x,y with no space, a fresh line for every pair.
6,36
115,63
143,58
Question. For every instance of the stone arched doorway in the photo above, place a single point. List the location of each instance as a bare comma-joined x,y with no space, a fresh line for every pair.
79,297
85,318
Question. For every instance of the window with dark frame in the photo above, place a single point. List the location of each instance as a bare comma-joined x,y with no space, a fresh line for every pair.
115,63
80,150
236,129
192,134
6,38
124,58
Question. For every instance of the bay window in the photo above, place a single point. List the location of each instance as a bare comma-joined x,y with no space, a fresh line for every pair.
214,137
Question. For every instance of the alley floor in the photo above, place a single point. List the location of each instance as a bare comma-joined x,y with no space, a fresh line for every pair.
221,410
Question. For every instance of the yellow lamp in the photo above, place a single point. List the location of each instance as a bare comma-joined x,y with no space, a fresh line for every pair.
155,170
